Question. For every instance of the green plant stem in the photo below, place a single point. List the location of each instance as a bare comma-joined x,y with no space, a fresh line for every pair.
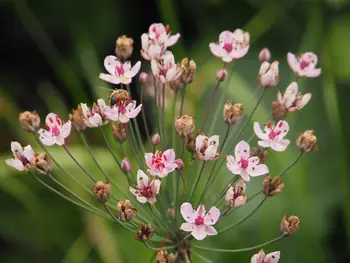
134,151
203,259
183,99
144,119
291,165
211,102
160,220
197,181
226,189
163,116
157,248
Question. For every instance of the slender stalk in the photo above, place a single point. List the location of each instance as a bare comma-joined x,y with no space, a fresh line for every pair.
183,99
160,220
226,189
163,115
291,165
134,151
157,248
212,99
203,259
240,249
197,181
226,136
144,119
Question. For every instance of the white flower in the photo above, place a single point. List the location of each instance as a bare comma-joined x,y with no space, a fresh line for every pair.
122,111
291,99
207,148
304,65
243,165
145,191
235,195
95,116
273,135
260,257
55,132
161,164
119,72
22,158
166,70
268,74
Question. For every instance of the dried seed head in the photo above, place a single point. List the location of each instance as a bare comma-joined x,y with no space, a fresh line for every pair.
171,213
190,143
221,75
188,70
180,164
102,190
126,165
119,131
264,55
232,113
273,186
42,163
306,141
279,111
144,232
164,257
126,211
289,225
263,154
143,78
124,47
30,121
184,125
155,139
175,84
77,119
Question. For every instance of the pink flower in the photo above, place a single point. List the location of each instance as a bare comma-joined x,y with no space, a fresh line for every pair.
122,111
198,223
119,72
304,65
166,70
145,191
95,116
156,42
273,135
260,257
161,164
235,195
22,158
268,74
265,55
126,165
292,100
231,46
207,148
55,132
243,165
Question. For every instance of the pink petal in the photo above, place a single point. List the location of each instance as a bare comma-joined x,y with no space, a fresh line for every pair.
123,118
199,232
110,78
173,39
15,163
46,137
95,120
273,257
280,146
229,194
59,140
65,130
135,112
216,49
16,147
28,152
245,176
265,144
259,133
169,156
188,227
233,166
226,37
239,53
305,99
210,230
240,200
135,69
212,216
154,51
112,113
155,186
283,128
257,170
144,41
148,157
292,62
201,210
252,161
227,58
110,63
242,150
312,73
52,120
290,94
188,213
142,179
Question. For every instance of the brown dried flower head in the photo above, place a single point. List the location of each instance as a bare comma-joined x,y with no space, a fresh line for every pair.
273,186
124,47
30,121
279,111
262,153
175,84
126,211
119,131
190,143
164,257
289,225
77,119
188,70
144,232
306,141
232,113
102,191
184,125
42,163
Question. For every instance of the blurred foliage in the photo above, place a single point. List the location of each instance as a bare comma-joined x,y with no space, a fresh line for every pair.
51,55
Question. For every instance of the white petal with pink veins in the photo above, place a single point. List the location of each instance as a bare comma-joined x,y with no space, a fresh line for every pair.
212,216
110,78
201,211
95,120
169,156
188,212
133,71
142,179
283,128
199,232
155,186
188,227
211,231
280,146
257,170
65,130
110,63
148,157
252,161
173,39
237,54
259,132
46,137
112,114
273,257
133,113
293,62
28,152
264,144
242,150
216,49
233,166
245,176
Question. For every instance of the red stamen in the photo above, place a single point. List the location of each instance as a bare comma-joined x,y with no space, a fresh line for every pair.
199,221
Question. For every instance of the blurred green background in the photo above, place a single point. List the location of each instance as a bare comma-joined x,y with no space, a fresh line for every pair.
51,55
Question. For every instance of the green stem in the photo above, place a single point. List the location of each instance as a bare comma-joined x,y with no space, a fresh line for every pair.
163,116
203,259
183,99
157,248
208,109
197,181
144,119
160,220
291,165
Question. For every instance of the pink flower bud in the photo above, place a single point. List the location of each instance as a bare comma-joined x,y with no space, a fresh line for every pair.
143,77
265,55
221,75
180,164
126,165
155,139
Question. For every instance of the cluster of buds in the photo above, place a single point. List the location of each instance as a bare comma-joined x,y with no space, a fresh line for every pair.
289,225
126,211
232,113
273,186
184,125
164,257
102,191
144,232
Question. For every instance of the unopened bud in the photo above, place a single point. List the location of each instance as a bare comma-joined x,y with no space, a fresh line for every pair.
119,131
143,78
221,75
279,111
126,166
268,74
180,164
42,163
306,141
163,257
188,70
262,154
171,213
289,225
175,84
190,143
144,232
232,113
126,211
124,47
102,190
77,119
184,125
265,55
30,121
155,139
272,187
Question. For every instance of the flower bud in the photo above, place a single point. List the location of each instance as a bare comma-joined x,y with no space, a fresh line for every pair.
119,131
190,143
306,141
77,119
126,211
184,125
263,154
221,75
175,84
232,113
289,225
180,164
272,187
188,70
264,55
143,78
124,47
279,111
155,139
102,191
163,257
171,213
42,163
126,166
268,74
144,232
30,121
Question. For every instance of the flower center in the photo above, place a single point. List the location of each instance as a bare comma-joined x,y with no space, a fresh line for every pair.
228,47
55,131
20,157
157,161
122,108
273,134
199,221
304,63
244,163
147,191
119,70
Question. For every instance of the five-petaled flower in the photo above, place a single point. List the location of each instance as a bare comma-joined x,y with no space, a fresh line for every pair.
161,164
260,257
146,190
22,158
231,46
291,99
207,148
95,116
56,131
243,165
156,42
273,135
304,65
166,70
123,111
119,72
197,222
235,195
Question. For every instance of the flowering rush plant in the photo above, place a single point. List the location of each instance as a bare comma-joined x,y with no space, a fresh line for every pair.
169,204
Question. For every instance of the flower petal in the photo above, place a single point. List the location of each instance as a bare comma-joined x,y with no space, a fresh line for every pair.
212,216
280,146
188,227
110,78
65,130
216,49
242,150
46,137
173,39
15,163
199,232
188,213
258,132
169,156
201,210
245,176
110,63
292,62
257,170
273,257
142,179
211,231
28,152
